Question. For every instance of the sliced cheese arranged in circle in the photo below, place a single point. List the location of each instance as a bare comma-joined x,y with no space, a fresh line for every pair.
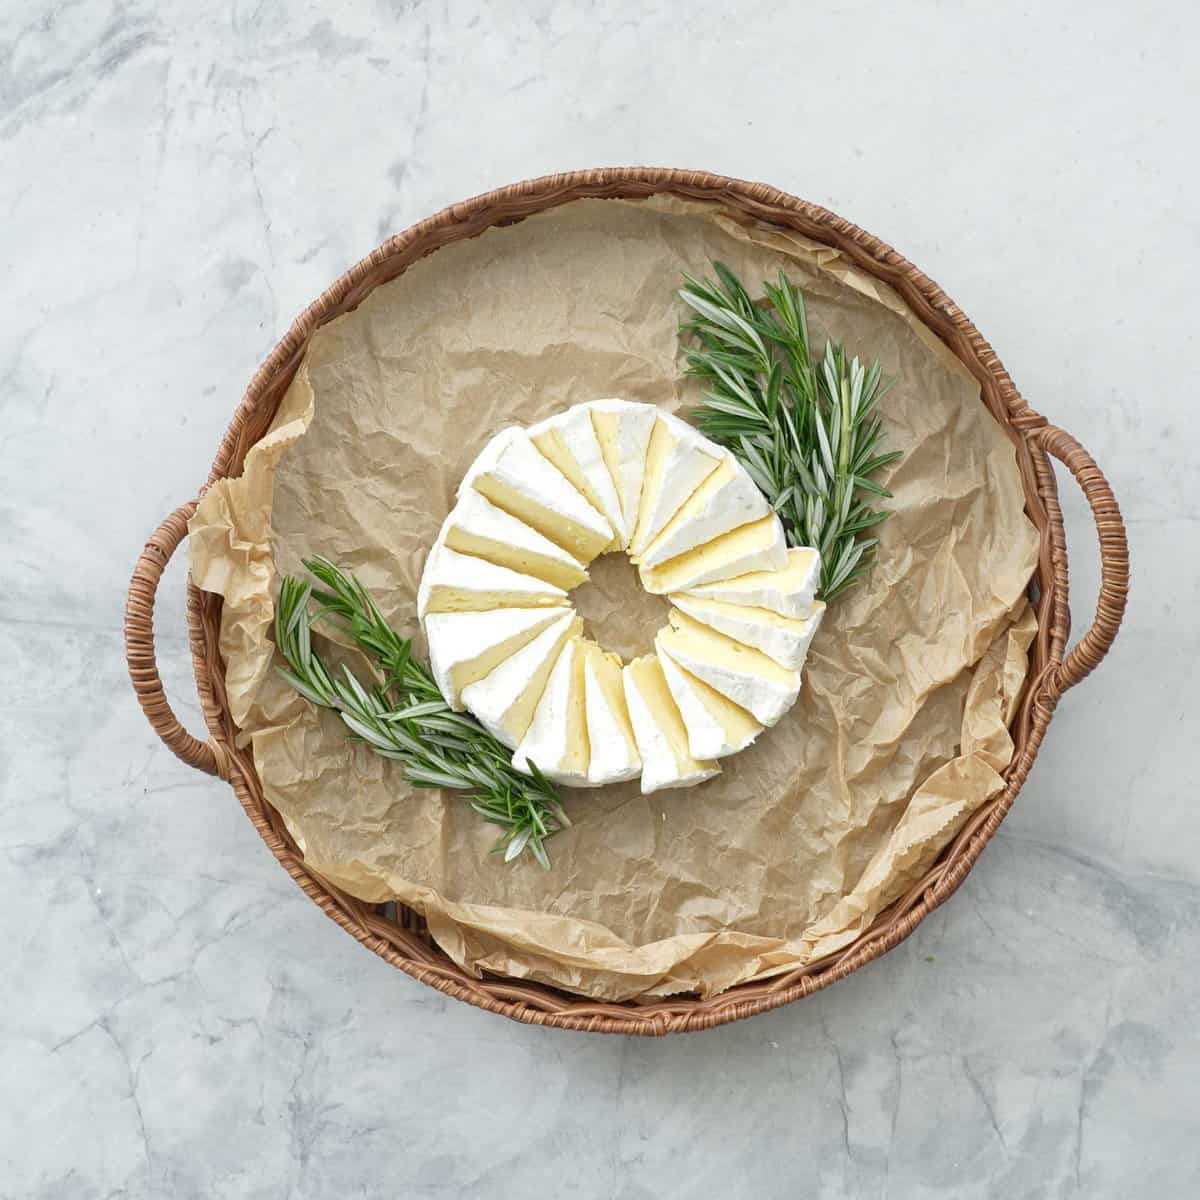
727,499
789,591
614,753
678,461
453,582
569,441
524,483
557,737
505,700
785,639
623,430
716,727
661,735
760,546
466,646
740,673
476,526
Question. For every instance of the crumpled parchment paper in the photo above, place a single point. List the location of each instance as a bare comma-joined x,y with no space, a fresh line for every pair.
900,731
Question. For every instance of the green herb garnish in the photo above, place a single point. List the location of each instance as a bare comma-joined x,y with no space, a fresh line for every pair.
807,432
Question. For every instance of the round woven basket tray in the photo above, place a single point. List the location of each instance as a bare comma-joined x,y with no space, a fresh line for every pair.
398,934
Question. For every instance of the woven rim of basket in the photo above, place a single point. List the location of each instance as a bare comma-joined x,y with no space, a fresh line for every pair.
396,933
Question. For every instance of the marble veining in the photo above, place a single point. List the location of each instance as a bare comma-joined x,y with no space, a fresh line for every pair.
178,181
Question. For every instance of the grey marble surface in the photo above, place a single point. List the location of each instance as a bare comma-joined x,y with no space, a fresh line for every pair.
177,181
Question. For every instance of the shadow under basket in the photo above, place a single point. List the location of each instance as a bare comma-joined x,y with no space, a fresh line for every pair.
399,935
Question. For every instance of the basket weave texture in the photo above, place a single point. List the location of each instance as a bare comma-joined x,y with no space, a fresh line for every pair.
398,934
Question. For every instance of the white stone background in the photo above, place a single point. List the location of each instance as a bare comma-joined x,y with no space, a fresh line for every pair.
177,181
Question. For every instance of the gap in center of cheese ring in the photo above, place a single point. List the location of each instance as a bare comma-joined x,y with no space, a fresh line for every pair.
617,611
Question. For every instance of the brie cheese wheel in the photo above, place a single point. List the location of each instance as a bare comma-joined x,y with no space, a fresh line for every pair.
661,736
740,673
727,499
453,582
476,526
486,458
760,546
569,441
466,646
789,591
527,486
557,738
623,430
505,699
716,727
785,639
614,754
678,460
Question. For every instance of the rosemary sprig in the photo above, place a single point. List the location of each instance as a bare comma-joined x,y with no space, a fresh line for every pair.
807,432
402,714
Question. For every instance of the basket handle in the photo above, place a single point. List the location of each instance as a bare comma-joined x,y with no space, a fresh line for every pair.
1086,655
139,647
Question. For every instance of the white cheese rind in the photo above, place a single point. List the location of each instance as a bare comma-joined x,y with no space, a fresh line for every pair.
477,527
614,756
623,430
745,675
789,590
785,639
525,484
569,441
679,459
707,736
727,499
759,546
504,701
556,740
663,765
467,646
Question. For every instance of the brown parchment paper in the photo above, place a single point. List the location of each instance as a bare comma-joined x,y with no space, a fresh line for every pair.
900,731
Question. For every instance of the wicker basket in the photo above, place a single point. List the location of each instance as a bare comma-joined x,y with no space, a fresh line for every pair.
397,934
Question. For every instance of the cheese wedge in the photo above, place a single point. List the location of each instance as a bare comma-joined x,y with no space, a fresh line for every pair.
740,673
727,499
505,700
557,738
661,736
789,592
466,646
476,526
623,430
785,639
614,753
716,727
760,546
453,582
678,460
569,441
486,458
527,486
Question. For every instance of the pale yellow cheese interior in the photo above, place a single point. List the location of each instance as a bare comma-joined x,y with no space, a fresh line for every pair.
726,471
484,663
737,544
651,683
552,446
658,453
519,715
607,668
516,558
575,759
739,725
796,626
696,640
582,542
